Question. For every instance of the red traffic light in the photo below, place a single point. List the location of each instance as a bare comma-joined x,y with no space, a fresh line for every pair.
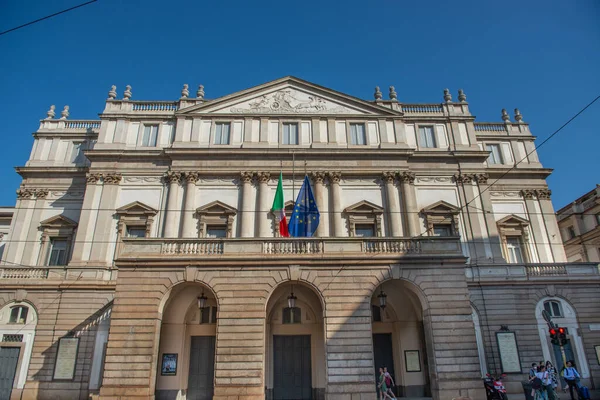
561,331
553,331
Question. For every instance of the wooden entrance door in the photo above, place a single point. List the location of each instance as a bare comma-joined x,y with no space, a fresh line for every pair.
202,368
292,368
383,354
9,357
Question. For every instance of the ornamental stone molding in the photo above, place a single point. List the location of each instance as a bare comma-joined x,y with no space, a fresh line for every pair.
407,176
481,178
263,177
543,194
93,178
111,178
388,177
288,101
246,177
318,176
463,178
528,194
23,194
334,177
41,193
191,177
173,177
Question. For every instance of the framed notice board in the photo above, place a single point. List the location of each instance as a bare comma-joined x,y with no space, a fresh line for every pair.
509,352
66,359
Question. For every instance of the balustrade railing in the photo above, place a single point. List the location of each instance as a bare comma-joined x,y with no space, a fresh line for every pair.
82,124
155,106
547,270
422,109
192,247
391,246
489,127
302,246
23,273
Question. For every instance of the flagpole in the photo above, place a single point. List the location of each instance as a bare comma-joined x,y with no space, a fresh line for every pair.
293,175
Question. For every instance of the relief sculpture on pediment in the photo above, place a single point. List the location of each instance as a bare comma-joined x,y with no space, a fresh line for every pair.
288,101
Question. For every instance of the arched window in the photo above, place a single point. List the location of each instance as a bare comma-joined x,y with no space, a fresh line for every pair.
18,315
553,308
292,315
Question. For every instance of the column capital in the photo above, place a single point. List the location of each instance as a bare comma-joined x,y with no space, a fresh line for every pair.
24,193
191,176
463,178
528,194
388,177
172,177
263,177
334,177
481,178
406,176
111,178
246,177
93,177
41,193
318,176
543,194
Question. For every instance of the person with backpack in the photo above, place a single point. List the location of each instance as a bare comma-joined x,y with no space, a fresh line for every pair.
389,382
382,386
538,390
571,376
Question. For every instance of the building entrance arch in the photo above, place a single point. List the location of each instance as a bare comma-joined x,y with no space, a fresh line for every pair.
186,354
399,338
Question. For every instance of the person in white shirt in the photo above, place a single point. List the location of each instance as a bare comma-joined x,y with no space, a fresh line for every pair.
539,388
571,376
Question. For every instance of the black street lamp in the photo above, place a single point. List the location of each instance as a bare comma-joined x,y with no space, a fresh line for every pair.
382,299
292,299
202,301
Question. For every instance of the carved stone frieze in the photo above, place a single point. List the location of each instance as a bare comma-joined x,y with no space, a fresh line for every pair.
434,179
141,179
288,101
111,178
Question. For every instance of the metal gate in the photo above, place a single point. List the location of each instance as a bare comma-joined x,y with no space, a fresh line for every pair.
202,368
292,367
9,357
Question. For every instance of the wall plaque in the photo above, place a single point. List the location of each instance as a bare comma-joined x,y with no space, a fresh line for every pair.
509,352
413,361
66,358
169,364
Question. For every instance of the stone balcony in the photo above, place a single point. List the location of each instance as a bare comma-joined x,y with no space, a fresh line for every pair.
527,273
268,250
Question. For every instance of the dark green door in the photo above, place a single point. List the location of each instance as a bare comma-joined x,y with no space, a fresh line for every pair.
292,368
559,360
202,368
383,354
9,357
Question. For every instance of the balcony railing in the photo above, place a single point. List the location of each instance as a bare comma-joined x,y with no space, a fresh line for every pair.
533,272
154,106
422,109
284,247
489,127
23,273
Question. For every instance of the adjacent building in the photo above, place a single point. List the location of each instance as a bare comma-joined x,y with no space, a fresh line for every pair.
145,262
579,224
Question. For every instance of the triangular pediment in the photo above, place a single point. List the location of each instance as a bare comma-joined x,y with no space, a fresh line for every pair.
512,220
441,207
364,207
136,208
58,221
216,207
289,96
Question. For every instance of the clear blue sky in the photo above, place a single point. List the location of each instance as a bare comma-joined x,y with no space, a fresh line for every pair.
541,56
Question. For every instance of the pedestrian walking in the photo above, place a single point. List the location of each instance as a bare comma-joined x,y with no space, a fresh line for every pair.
389,382
532,371
552,381
538,390
571,377
382,386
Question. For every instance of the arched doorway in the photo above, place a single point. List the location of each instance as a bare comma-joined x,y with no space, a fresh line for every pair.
186,355
294,344
18,321
399,338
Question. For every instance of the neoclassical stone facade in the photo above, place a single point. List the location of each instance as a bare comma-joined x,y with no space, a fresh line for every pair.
144,260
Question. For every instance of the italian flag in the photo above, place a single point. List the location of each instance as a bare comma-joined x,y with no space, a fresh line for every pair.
279,208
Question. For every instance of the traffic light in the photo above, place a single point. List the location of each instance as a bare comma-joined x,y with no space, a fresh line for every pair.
554,336
562,336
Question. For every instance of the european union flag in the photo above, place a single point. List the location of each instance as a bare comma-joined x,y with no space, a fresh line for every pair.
305,217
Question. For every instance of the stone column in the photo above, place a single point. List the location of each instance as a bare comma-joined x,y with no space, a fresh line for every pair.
323,228
105,233
488,214
393,209
479,245
247,205
262,216
336,196
411,216
15,248
87,220
189,206
172,209
552,230
35,252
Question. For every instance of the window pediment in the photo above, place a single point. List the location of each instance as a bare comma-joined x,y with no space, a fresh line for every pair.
441,207
136,208
215,215
513,221
216,208
364,207
441,219
58,222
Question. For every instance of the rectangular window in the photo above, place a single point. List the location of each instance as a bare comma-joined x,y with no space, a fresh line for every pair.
291,315
18,315
216,231
150,135
571,232
427,137
357,134
375,313
290,133
364,230
208,315
136,231
222,132
515,253
58,252
495,154
442,230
